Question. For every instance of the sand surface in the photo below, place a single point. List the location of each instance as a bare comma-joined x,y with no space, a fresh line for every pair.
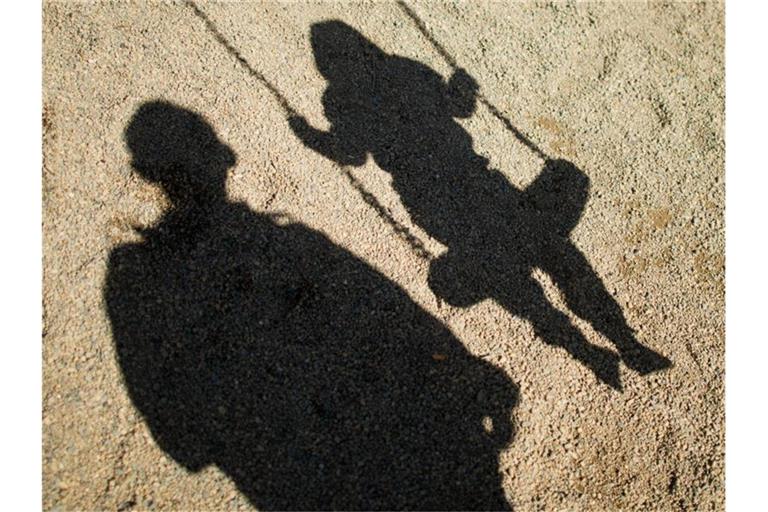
629,97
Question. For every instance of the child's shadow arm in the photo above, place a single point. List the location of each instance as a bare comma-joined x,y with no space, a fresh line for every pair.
335,144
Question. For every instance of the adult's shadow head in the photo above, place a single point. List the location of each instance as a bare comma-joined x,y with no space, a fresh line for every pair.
264,348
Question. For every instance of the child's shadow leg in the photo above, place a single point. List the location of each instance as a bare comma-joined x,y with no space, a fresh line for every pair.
587,297
555,328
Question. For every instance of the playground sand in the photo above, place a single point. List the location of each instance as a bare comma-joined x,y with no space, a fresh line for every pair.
632,93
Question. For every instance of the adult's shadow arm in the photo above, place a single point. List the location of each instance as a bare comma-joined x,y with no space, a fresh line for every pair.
151,348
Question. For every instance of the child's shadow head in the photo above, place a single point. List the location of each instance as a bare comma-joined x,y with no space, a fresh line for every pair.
179,150
344,54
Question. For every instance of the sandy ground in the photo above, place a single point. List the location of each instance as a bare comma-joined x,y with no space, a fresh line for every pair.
631,93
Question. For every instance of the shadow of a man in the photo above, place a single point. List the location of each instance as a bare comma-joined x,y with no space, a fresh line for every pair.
305,375
403,113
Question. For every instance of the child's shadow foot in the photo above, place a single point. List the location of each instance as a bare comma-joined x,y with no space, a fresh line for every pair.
644,360
605,365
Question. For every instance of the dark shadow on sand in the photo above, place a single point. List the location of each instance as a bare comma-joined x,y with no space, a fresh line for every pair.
258,345
403,114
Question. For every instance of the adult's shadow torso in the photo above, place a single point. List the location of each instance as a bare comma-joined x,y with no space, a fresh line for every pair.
307,376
